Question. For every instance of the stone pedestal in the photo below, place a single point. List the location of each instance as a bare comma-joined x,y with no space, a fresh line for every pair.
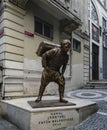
19,112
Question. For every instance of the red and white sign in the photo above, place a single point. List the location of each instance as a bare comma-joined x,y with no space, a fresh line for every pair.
1,31
29,34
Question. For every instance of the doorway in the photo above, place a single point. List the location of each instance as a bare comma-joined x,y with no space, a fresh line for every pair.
104,63
95,62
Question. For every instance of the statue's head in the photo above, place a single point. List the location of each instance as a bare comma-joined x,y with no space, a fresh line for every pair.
65,45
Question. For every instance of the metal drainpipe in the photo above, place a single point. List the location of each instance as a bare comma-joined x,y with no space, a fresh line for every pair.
71,51
3,86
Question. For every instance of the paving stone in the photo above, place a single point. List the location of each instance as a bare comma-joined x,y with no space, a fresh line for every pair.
92,94
5,125
94,122
97,121
102,106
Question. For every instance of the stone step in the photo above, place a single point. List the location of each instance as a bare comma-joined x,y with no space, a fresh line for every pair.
96,84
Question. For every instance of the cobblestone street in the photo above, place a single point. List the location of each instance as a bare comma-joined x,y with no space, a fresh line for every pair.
97,121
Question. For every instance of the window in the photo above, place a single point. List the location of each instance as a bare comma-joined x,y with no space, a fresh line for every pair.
104,26
89,25
104,29
95,33
76,45
43,28
94,15
104,23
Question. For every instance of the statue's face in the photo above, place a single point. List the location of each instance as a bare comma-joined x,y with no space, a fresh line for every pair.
66,47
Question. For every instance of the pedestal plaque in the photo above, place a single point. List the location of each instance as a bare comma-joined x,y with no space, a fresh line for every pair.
25,117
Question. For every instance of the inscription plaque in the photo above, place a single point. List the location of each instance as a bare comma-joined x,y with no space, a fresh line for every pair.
46,118
54,120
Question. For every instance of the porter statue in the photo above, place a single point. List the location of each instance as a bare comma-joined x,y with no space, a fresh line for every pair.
54,62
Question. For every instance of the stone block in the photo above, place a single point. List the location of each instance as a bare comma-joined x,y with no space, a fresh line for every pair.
19,112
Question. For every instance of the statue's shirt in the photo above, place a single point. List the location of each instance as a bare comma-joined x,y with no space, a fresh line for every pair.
55,59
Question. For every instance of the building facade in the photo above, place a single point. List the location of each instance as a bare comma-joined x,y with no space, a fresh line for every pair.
24,24
98,39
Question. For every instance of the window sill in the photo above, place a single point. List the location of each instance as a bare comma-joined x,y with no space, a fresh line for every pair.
40,35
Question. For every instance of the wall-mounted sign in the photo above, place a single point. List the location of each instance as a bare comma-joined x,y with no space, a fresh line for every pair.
29,34
1,31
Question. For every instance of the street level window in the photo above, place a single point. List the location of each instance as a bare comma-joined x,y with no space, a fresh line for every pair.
76,45
95,33
43,28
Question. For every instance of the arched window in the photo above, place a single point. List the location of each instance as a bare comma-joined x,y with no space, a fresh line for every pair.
94,23
94,15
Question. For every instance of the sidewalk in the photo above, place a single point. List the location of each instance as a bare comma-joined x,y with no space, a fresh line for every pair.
97,121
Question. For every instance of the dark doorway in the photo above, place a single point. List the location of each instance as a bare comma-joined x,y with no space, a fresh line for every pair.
105,63
95,62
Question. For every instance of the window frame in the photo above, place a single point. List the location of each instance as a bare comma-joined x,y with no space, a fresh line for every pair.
43,23
96,34
104,25
94,15
75,48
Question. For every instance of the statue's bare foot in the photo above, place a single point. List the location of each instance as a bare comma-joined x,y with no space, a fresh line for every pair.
38,99
63,101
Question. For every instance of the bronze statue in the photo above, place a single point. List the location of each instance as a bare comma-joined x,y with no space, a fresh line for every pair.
54,62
